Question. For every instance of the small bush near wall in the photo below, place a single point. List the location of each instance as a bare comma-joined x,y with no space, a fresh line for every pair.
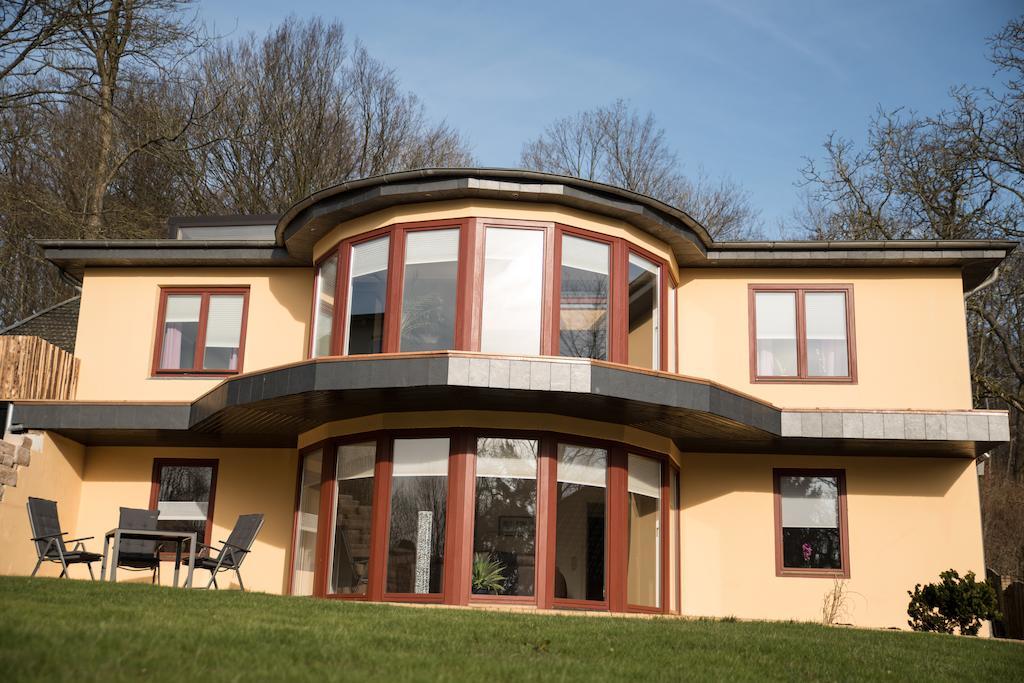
952,603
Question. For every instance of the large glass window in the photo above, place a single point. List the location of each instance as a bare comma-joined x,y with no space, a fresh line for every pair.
826,334
505,525
809,507
350,559
583,300
580,520
801,333
513,291
419,495
644,335
201,331
367,294
644,569
323,321
776,334
429,290
184,497
304,562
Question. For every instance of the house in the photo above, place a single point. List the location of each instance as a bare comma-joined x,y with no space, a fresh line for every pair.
485,386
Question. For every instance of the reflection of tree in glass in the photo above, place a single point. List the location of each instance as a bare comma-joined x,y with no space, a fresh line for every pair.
185,483
412,495
426,321
584,329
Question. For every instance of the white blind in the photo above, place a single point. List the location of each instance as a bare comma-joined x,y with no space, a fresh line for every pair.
507,458
644,476
224,321
311,467
582,465
182,509
355,461
642,263
420,458
370,257
183,308
431,246
513,282
826,315
775,315
810,502
584,254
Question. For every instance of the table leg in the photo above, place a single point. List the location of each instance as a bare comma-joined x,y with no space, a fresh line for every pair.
191,560
117,554
106,551
177,558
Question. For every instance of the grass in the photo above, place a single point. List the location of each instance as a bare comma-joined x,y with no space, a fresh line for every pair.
75,631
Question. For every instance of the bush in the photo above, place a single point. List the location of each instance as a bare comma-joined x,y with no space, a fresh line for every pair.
954,602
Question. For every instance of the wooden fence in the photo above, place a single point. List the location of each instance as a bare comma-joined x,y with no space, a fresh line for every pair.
32,368
1010,592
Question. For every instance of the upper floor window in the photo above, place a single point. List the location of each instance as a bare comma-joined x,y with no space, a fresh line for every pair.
802,333
501,286
201,331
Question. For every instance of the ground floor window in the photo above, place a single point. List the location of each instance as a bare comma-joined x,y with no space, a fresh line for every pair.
810,521
463,515
183,494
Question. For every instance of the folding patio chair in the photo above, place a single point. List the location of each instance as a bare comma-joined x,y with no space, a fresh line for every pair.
233,551
49,539
139,554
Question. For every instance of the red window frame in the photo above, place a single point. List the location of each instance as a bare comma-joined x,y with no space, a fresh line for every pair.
460,519
469,285
205,292
154,490
799,291
844,533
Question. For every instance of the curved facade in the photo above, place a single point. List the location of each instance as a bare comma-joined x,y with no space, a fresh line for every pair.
480,386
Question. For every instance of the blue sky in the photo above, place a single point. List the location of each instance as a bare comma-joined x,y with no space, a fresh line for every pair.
744,89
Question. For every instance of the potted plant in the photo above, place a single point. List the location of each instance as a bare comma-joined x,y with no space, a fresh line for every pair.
488,574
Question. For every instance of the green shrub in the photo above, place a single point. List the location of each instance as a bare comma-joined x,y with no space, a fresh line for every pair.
952,603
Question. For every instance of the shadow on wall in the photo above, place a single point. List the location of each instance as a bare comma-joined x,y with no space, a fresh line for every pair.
706,477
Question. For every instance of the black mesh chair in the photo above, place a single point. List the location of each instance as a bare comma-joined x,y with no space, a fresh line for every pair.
232,552
139,554
49,539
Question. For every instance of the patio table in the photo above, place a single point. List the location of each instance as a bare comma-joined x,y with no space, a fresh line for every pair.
177,537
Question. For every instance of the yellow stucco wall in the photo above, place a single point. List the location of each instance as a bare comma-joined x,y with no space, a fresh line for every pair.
911,337
117,327
55,473
909,519
248,480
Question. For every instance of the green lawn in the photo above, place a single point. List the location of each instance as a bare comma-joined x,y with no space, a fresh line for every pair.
75,631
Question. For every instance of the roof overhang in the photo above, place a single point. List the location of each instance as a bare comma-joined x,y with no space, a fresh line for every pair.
273,407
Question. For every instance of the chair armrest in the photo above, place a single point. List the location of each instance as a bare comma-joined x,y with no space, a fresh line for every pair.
234,547
46,538
76,540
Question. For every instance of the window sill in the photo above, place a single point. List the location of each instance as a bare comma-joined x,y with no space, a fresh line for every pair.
804,380
814,573
193,375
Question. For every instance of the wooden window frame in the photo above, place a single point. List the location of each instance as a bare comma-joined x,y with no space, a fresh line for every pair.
460,519
469,285
844,533
154,490
204,310
799,291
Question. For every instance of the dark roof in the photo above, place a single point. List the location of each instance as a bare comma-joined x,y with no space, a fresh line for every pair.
57,324
304,223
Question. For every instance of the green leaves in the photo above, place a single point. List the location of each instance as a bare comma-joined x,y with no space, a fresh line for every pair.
953,603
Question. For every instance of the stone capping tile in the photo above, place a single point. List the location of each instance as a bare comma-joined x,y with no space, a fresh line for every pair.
810,424
873,426
999,427
579,377
935,426
853,426
560,377
914,426
479,372
956,427
519,374
892,426
540,375
832,425
498,375
458,370
977,427
791,424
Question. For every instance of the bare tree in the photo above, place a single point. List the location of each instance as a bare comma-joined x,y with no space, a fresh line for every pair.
29,30
617,145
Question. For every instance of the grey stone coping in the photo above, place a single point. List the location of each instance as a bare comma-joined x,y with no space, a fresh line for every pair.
959,425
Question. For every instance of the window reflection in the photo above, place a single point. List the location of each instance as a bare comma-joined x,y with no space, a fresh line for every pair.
368,285
429,290
644,571
323,322
304,562
353,515
504,529
644,318
580,519
583,303
513,289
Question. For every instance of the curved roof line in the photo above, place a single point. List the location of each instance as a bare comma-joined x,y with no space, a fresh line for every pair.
344,201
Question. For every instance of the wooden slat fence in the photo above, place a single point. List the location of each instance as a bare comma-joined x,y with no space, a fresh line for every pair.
1010,592
32,368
